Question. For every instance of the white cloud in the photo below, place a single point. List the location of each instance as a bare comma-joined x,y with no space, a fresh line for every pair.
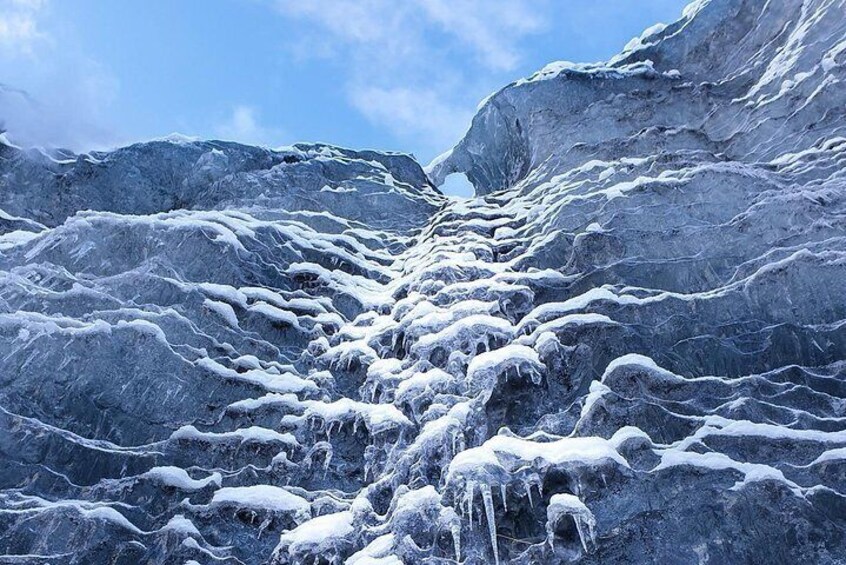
491,28
417,67
361,21
19,31
54,94
409,112
243,125
60,106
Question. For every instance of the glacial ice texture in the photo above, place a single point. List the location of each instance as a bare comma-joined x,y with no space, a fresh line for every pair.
629,347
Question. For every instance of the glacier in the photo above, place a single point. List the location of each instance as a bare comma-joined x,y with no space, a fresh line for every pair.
628,347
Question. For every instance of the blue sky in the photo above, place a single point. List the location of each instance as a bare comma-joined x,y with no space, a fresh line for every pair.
386,74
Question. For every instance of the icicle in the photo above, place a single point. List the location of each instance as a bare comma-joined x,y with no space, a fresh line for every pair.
591,523
502,490
368,460
536,377
390,453
415,414
487,498
578,521
265,523
470,487
568,505
456,541
326,462
529,492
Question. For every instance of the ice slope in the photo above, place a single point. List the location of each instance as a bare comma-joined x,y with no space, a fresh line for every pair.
631,347
386,190
750,80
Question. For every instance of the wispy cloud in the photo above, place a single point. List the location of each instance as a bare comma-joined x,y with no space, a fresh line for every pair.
243,125
54,94
19,31
491,28
413,112
413,67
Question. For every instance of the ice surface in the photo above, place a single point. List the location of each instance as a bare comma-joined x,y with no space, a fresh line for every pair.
630,343
262,497
179,478
319,536
568,505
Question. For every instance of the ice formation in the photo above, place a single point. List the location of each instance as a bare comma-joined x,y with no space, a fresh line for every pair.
629,346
